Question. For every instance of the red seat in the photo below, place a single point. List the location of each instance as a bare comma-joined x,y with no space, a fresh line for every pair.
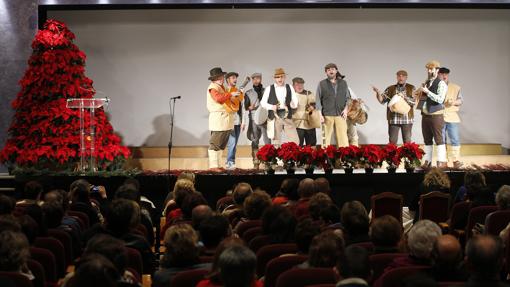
47,260
134,260
496,221
252,233
66,240
188,278
38,271
394,277
259,242
379,262
278,265
435,206
243,226
58,251
224,202
18,279
206,259
303,277
459,210
82,218
387,203
368,246
477,215
268,252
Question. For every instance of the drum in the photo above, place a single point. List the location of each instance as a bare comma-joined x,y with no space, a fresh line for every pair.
260,116
356,113
398,105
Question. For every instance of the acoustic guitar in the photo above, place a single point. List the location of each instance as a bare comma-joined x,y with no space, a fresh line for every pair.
232,105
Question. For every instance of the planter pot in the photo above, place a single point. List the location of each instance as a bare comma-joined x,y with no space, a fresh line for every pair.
369,170
309,170
349,170
328,171
392,170
270,171
409,169
291,171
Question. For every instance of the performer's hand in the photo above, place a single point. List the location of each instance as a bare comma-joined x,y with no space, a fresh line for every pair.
251,107
322,119
275,108
376,90
243,127
425,90
235,94
344,113
102,191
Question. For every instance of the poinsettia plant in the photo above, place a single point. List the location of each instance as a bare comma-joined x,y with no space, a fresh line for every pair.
371,156
320,158
332,157
349,156
391,155
44,133
411,153
267,155
306,156
289,154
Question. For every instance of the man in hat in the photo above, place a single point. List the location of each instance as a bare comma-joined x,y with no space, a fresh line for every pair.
252,105
280,100
306,104
231,79
398,121
332,95
221,121
432,120
452,104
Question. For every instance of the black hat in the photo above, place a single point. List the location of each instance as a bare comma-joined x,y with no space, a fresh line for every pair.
298,80
215,73
230,74
444,70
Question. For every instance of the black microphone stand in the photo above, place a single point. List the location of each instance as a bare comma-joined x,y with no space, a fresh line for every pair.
172,113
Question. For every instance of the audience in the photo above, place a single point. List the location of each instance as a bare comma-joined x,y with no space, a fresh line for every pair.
94,270
279,224
484,259
318,202
212,231
199,214
325,250
434,180
14,253
80,201
241,191
287,195
306,190
237,265
322,185
355,222
306,230
447,260
254,206
182,188
354,267
386,233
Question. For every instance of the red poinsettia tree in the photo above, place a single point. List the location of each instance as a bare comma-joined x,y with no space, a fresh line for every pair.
44,133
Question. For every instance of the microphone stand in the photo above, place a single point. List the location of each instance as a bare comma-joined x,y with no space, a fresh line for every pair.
170,144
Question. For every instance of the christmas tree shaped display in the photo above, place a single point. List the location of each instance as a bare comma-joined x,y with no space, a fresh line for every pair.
44,133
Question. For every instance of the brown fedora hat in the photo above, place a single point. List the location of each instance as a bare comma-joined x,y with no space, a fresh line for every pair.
215,73
230,74
279,71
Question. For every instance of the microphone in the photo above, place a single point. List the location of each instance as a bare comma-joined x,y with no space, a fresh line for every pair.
175,98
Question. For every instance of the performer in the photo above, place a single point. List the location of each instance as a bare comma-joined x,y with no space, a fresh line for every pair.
221,117
352,130
280,100
238,121
433,94
331,99
398,119
452,104
252,105
306,105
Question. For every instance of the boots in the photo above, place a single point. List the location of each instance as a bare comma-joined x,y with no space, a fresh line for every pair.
219,154
256,162
427,157
455,156
213,159
442,162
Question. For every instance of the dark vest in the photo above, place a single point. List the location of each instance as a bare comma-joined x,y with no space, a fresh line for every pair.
433,106
273,100
392,90
333,104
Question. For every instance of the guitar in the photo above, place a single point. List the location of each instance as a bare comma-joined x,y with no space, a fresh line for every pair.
232,105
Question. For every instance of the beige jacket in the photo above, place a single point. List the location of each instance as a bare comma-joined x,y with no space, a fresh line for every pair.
451,114
299,117
219,118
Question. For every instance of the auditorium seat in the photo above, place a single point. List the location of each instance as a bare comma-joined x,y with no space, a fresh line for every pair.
434,206
496,221
387,203
224,202
268,252
477,215
66,240
395,277
47,260
58,251
38,271
243,226
379,262
278,265
459,211
188,278
83,219
259,242
206,259
368,246
134,260
304,277
18,279
252,233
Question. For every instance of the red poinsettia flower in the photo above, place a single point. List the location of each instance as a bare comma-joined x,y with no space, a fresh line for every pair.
288,153
371,156
267,154
411,153
349,155
391,155
306,155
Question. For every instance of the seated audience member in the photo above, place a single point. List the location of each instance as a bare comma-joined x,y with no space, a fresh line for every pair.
54,216
478,193
447,260
185,175
213,279
182,188
237,265
95,270
325,250
131,192
354,267
484,260
182,253
199,214
80,201
212,231
60,197
355,222
145,203
386,233
322,185
306,230
241,191
434,180
189,203
317,203
503,202
7,204
306,190
31,193
14,252
254,206
288,188
473,181
279,224
330,217
121,220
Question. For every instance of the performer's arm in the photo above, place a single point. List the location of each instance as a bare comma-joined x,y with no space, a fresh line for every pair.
318,102
441,93
294,99
459,100
352,94
409,99
378,95
219,97
264,102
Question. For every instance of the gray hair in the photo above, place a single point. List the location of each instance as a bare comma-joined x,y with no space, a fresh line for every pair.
503,197
422,237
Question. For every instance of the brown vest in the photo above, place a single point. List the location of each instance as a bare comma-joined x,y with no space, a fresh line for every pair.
392,90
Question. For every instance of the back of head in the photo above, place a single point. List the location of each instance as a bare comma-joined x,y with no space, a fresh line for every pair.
122,216
80,193
318,202
57,195
182,188
128,191
421,238
355,263
446,253
354,218
191,201
256,204
95,270
474,181
436,179
279,223
110,247
237,266
188,176
325,250
306,230
289,187
14,250
213,230
503,197
241,192
330,214
32,190
181,246
7,204
133,181
199,214
53,213
484,255
322,185
306,188
386,231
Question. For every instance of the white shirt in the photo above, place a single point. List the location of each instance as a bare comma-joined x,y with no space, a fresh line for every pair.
281,93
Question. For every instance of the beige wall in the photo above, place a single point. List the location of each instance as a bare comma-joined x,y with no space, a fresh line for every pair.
140,58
